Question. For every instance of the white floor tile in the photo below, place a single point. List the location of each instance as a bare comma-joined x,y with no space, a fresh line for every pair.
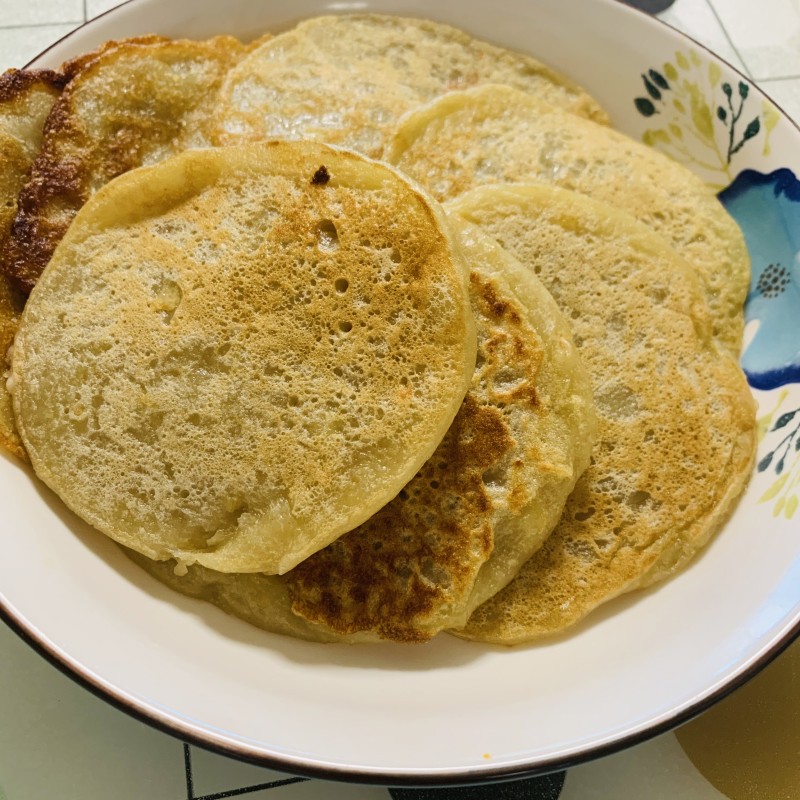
95,7
66,743
40,12
697,19
766,34
19,45
786,94
656,770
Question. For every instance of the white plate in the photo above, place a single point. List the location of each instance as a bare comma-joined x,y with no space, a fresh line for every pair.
451,711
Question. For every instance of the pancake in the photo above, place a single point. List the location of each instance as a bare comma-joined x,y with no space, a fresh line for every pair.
676,419
239,354
132,103
495,485
11,303
26,97
261,600
347,79
495,134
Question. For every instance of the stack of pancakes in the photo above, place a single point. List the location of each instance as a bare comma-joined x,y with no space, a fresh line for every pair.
367,330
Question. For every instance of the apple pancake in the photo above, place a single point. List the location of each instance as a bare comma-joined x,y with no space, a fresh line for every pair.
132,103
347,79
677,431
497,134
478,508
238,354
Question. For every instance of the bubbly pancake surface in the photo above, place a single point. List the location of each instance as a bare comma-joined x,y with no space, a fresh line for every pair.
496,134
677,426
239,354
26,98
495,485
133,103
347,79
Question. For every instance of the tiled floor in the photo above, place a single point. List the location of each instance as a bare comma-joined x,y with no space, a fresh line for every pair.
762,38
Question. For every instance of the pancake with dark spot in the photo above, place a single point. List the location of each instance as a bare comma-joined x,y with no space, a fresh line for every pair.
229,364
262,600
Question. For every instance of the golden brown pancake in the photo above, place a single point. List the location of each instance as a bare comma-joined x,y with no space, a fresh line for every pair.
495,134
493,489
239,354
26,97
347,79
677,422
496,484
133,103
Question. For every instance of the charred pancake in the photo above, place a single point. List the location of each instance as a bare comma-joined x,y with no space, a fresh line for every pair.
494,134
347,79
26,97
239,354
133,103
677,423
493,489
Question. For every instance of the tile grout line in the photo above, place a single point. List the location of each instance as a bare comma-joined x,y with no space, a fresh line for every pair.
248,789
779,78
41,25
189,773
187,766
728,37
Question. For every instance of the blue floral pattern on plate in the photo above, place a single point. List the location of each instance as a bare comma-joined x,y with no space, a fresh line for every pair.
767,208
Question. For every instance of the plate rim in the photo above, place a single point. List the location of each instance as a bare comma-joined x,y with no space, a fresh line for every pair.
189,734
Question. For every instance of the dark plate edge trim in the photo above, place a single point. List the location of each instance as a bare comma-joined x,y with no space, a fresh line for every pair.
457,777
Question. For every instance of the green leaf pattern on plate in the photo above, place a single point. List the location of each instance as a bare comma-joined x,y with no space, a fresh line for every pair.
700,118
784,457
